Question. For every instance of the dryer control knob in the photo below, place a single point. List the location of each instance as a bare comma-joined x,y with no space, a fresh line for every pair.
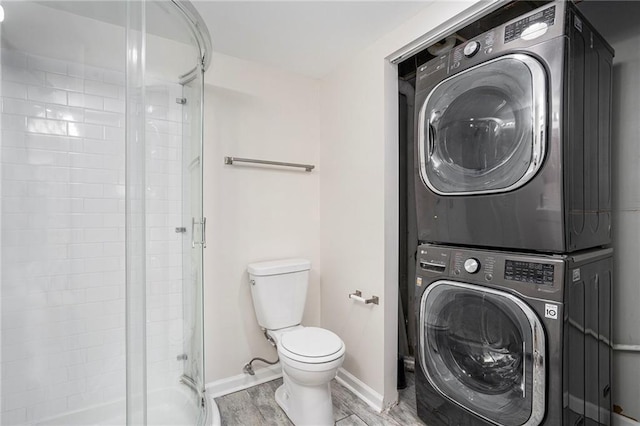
471,265
471,48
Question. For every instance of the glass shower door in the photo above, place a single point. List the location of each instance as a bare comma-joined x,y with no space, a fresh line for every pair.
192,264
171,80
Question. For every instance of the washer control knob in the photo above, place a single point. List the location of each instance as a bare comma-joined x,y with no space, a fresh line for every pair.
471,48
471,265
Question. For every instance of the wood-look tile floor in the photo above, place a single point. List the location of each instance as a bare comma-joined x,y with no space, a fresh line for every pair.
257,406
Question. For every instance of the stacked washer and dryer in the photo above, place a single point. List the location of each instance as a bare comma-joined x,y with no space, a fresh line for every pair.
513,197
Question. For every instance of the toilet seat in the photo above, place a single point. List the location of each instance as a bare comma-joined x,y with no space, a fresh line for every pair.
311,345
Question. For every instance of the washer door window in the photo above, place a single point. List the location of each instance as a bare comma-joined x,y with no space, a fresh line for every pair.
483,350
482,130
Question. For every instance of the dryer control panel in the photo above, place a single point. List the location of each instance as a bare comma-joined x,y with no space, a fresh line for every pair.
515,36
529,25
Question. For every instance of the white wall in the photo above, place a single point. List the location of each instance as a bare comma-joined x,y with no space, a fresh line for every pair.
255,213
618,24
359,199
626,225
626,157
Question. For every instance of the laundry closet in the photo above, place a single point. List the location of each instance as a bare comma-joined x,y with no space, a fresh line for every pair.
529,226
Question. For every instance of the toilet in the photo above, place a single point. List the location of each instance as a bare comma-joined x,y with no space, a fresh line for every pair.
309,356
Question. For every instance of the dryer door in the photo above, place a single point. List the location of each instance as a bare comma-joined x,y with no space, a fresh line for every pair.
483,130
483,350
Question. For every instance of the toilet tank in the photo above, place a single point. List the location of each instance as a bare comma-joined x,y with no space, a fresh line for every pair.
279,291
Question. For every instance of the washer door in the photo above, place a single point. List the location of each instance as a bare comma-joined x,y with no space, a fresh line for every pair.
482,130
483,350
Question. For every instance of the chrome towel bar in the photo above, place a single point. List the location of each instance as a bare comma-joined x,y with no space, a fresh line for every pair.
357,296
231,160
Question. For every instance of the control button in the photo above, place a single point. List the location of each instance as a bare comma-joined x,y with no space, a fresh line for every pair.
456,272
471,48
488,277
471,265
488,50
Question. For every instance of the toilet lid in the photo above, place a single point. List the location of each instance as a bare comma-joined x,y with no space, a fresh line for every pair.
311,342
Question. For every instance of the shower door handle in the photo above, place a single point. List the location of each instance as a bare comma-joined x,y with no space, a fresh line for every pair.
203,231
193,237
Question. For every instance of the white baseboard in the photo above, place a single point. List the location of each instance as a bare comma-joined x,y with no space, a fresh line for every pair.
372,398
619,420
243,381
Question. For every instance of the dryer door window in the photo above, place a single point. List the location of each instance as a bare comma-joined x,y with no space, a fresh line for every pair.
483,130
483,349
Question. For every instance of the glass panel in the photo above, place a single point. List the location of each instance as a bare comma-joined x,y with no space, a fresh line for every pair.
477,350
62,265
478,128
193,213
173,119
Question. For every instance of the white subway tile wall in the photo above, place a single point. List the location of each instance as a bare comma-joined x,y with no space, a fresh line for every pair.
63,240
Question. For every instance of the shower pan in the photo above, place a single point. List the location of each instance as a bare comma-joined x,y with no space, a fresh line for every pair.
102,226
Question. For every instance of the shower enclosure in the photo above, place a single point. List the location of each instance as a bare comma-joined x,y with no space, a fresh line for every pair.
102,226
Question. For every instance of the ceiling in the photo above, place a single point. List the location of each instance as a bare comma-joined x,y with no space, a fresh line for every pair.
306,37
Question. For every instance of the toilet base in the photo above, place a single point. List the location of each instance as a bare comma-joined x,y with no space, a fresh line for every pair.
306,405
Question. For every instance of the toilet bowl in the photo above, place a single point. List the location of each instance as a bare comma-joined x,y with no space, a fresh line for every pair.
309,356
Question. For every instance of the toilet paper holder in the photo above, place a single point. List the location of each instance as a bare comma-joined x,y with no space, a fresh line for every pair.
357,296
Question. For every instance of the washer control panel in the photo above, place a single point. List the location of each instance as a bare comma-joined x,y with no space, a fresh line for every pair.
514,270
528,272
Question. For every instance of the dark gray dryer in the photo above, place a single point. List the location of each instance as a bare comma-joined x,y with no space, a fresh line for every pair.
513,339
513,137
